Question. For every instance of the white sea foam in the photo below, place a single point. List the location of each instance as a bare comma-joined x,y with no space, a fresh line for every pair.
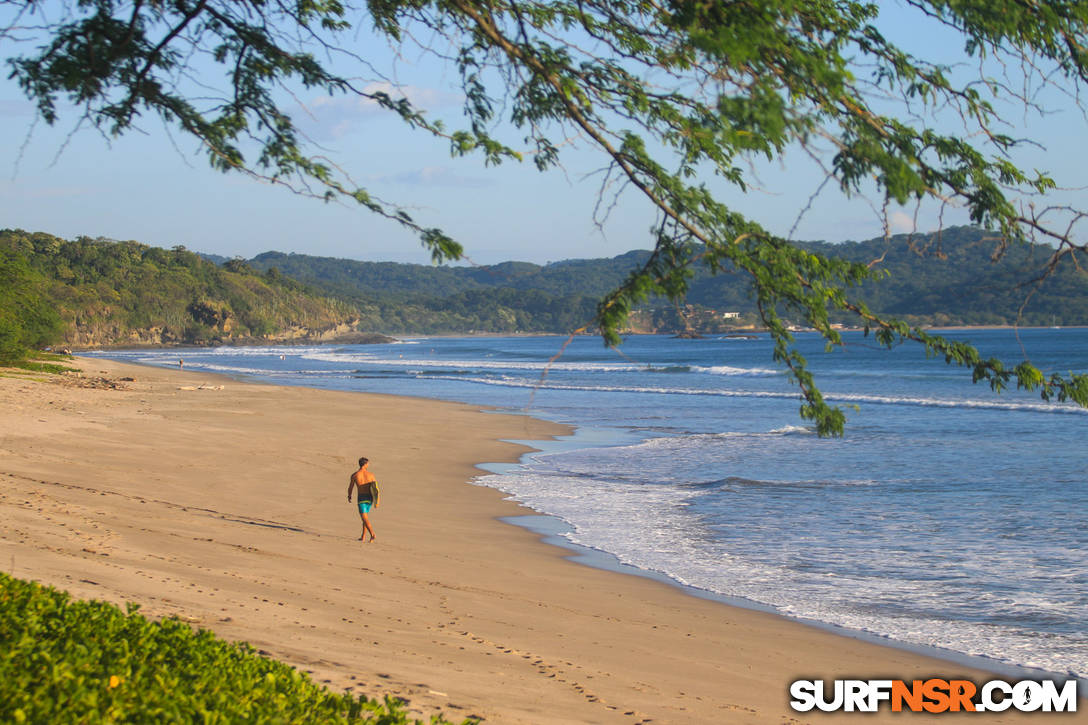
421,366
264,351
416,362
512,382
1036,407
686,443
367,358
731,370
794,430
649,527
230,369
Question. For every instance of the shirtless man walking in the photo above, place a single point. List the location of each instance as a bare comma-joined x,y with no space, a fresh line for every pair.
367,485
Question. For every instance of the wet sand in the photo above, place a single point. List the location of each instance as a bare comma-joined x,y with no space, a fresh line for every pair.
224,503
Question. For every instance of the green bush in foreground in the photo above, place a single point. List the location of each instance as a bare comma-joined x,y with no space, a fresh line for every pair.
64,660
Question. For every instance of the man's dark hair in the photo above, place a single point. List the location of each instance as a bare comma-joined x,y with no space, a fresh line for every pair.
363,461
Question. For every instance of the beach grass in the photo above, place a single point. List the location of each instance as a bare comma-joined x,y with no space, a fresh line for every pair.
44,362
66,660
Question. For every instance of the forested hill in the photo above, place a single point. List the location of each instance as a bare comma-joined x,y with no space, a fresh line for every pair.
91,292
392,280
950,279
414,298
946,279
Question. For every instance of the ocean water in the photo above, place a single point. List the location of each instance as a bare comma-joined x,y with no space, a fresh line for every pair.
948,516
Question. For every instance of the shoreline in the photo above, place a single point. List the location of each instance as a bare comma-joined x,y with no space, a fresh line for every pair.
532,520
548,531
373,337
551,529
220,505
358,338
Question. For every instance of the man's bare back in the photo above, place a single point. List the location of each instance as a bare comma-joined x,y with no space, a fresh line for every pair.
367,485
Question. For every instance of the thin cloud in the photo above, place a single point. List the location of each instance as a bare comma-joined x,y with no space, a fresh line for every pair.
333,117
434,176
901,223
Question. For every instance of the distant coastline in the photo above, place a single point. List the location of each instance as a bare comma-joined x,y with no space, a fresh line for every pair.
953,328
380,338
359,338
104,294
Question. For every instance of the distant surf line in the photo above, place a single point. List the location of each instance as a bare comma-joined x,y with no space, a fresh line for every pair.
839,397
589,367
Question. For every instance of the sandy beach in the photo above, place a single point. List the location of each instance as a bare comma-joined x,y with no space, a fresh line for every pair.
224,503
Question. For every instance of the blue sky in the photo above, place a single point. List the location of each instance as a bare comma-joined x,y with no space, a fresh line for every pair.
159,189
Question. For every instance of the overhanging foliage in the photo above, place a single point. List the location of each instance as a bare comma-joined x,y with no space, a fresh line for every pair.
673,92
